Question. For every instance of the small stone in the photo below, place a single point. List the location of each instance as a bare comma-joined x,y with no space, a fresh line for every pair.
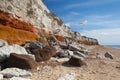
47,68
60,59
3,43
14,72
1,77
69,76
70,52
99,56
18,78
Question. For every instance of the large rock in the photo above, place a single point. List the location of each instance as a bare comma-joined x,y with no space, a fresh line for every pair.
76,61
3,43
43,54
62,54
30,45
14,72
78,47
79,54
64,46
19,78
6,50
21,61
33,45
109,55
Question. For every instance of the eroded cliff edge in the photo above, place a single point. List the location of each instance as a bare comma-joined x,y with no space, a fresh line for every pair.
28,20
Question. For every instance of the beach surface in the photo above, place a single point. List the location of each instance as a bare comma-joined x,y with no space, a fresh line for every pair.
95,68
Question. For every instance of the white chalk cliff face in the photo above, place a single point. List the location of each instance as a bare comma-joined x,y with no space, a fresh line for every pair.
34,12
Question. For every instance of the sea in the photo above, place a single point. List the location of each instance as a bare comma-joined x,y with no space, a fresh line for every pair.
113,46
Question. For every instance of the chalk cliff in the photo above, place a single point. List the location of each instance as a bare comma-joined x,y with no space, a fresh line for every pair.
33,18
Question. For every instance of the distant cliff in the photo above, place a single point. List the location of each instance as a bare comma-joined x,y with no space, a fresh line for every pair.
32,18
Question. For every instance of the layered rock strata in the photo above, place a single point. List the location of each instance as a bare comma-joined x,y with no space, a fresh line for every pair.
33,16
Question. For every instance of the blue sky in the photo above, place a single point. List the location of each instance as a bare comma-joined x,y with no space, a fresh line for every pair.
98,19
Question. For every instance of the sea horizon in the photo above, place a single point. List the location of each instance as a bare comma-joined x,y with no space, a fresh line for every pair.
113,46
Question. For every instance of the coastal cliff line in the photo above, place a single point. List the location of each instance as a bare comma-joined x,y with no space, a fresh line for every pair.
32,17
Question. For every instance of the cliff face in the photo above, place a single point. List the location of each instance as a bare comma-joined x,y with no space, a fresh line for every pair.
33,17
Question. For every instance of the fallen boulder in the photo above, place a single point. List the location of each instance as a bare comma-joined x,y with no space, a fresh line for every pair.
19,78
62,54
22,61
29,45
14,72
76,47
79,54
33,45
63,46
76,61
6,50
44,54
109,55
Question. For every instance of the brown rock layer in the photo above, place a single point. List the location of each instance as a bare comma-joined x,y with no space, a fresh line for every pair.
10,20
16,36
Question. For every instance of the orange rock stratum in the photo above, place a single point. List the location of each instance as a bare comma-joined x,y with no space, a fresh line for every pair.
17,36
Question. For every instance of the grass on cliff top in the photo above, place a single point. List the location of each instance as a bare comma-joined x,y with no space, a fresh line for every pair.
17,36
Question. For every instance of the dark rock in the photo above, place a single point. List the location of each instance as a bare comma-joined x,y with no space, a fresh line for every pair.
79,54
64,46
76,47
44,54
29,46
62,54
52,40
21,61
33,45
109,55
76,61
